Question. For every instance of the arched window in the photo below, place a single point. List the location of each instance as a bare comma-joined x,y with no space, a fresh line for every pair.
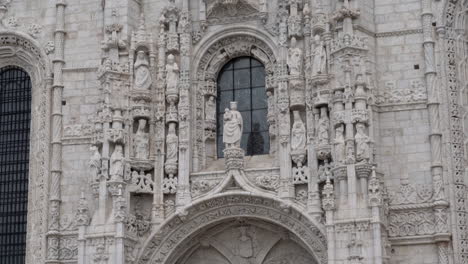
15,119
243,80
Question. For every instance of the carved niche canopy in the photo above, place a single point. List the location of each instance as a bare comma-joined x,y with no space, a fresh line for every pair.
220,10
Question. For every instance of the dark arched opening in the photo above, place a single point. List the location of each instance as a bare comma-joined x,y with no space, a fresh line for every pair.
15,122
243,80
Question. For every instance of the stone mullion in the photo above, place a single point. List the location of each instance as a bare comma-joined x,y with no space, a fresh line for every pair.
160,105
185,116
56,156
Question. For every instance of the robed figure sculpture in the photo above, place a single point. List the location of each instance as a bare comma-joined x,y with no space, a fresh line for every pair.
233,125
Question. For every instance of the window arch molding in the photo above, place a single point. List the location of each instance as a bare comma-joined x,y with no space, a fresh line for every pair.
221,48
20,50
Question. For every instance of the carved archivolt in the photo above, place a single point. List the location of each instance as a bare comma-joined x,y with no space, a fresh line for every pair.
163,243
18,49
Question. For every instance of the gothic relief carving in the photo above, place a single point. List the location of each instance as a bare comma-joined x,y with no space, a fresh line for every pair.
232,10
295,59
319,63
117,160
362,143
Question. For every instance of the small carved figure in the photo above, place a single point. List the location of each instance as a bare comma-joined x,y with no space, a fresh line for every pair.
117,163
294,58
172,142
95,163
143,78
340,151
362,143
210,109
298,133
141,141
323,125
271,103
320,57
246,244
172,74
233,125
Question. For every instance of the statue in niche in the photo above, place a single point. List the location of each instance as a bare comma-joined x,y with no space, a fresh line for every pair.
95,163
172,142
320,57
143,78
210,109
271,103
245,246
323,136
362,143
117,163
141,141
339,142
172,74
298,132
294,58
233,125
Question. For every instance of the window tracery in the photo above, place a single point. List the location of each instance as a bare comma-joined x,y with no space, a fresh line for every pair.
243,80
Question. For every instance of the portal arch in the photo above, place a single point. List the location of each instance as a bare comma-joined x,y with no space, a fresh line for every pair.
178,233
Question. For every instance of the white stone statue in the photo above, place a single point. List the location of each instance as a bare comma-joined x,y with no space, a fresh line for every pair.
210,109
172,144
323,125
298,133
362,143
339,142
141,141
233,126
271,102
117,163
294,58
95,163
319,65
172,74
143,78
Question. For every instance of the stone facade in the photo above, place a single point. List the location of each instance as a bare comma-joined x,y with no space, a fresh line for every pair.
367,114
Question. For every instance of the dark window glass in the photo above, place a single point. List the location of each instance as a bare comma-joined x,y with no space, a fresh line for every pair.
15,119
243,80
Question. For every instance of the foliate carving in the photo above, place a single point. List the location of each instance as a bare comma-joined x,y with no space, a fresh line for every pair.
34,30
268,182
200,187
169,185
352,42
226,11
100,256
82,217
49,47
300,174
411,194
328,197
411,223
141,182
393,95
234,158
120,207
345,12
374,190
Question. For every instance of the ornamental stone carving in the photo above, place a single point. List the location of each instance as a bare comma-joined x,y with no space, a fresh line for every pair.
233,126
143,79
117,164
319,64
295,59
362,143
95,163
